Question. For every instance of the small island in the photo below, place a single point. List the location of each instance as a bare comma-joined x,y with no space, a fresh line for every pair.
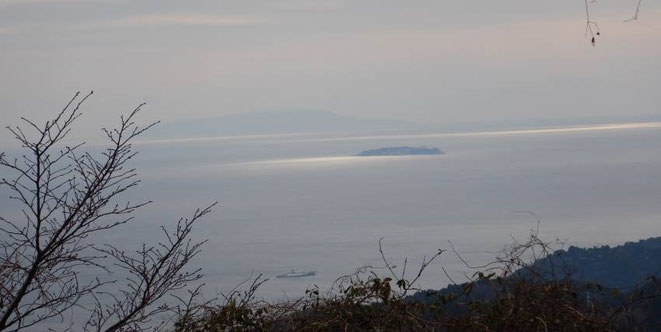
400,151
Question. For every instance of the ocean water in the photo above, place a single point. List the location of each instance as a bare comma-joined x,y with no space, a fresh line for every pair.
304,202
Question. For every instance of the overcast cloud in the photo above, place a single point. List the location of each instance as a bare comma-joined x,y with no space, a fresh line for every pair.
426,61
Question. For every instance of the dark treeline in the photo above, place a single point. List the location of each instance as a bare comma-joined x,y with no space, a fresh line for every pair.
594,289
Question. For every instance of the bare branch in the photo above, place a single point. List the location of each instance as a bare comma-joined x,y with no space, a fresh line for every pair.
65,196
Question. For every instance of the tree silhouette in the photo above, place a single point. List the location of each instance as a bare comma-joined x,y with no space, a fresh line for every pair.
67,195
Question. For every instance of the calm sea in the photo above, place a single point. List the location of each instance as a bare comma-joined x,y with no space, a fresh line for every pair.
304,202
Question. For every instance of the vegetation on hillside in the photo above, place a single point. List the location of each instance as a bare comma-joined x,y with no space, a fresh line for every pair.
622,267
511,294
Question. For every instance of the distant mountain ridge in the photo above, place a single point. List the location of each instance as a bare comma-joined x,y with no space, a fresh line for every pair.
400,151
312,121
621,266
274,122
612,277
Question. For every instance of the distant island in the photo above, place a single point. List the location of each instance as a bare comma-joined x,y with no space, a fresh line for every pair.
400,151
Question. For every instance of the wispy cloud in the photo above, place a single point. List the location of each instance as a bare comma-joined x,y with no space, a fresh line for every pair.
311,6
187,20
173,20
5,3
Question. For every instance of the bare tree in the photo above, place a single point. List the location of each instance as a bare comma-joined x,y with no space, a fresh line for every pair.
592,27
65,196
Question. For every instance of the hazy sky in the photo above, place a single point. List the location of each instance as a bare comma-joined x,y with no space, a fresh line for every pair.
425,60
